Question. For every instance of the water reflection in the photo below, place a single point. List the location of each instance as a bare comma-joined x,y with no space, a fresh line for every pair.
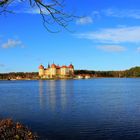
54,94
51,94
63,94
41,94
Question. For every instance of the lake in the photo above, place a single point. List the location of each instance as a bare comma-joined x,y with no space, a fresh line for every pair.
92,109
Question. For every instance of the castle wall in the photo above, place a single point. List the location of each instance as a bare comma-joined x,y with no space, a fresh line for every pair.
63,71
41,72
53,72
71,71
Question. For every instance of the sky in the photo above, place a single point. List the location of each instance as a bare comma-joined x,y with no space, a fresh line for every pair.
106,36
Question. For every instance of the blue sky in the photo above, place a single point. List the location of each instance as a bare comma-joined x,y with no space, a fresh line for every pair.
106,38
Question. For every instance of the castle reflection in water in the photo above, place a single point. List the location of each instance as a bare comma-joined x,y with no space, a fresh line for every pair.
54,93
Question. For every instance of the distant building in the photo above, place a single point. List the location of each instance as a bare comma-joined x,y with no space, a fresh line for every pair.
87,76
55,71
83,76
80,76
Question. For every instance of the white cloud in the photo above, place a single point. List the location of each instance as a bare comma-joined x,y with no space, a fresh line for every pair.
31,10
118,13
96,13
138,49
11,43
125,13
2,65
112,48
114,35
35,11
84,20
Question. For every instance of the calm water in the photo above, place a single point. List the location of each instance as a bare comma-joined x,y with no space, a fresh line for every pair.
92,109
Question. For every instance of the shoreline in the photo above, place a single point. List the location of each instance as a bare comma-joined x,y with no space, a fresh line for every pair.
67,79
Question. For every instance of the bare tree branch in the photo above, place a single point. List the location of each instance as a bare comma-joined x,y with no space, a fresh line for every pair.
51,11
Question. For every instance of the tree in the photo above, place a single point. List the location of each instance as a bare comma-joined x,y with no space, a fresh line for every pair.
51,11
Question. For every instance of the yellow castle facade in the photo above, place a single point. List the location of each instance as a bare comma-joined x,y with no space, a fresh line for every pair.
55,71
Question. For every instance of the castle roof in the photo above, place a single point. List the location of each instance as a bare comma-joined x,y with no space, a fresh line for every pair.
71,66
64,66
53,66
41,67
58,67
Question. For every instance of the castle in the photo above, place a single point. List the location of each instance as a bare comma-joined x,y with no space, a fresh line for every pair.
55,71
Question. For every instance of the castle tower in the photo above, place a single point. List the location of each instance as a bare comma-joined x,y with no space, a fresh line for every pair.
48,65
71,69
53,70
41,70
64,70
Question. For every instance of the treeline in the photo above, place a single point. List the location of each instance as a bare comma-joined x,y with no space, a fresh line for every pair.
19,75
133,72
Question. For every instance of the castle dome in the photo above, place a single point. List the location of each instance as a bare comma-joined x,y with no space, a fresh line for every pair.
58,67
71,66
64,66
41,67
53,66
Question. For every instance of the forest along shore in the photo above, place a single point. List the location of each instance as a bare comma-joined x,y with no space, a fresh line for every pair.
132,72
